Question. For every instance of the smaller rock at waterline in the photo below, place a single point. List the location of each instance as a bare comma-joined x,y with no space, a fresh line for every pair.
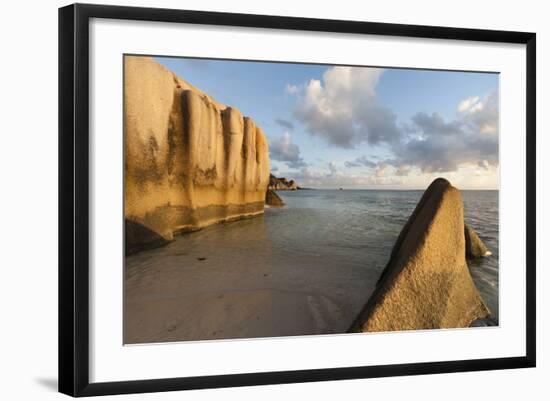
475,248
272,199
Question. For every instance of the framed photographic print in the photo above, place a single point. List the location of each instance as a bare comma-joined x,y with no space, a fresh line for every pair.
250,199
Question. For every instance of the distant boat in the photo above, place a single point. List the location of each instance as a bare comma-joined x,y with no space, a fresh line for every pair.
340,189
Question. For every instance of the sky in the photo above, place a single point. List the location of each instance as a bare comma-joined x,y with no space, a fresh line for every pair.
362,127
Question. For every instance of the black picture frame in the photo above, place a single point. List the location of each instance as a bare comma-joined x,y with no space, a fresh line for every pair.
74,198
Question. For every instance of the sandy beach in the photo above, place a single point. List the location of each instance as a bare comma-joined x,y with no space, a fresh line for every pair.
193,290
306,268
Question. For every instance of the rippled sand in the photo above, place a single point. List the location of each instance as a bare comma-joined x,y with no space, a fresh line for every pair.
227,282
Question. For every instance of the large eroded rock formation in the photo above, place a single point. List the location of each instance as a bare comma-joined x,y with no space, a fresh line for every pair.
427,283
189,161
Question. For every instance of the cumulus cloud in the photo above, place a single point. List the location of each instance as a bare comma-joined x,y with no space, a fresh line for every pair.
342,108
284,150
361,161
381,169
484,164
292,89
471,104
335,178
403,170
482,116
332,168
433,124
434,145
284,123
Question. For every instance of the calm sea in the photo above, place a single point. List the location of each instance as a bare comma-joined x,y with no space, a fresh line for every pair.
359,227
330,245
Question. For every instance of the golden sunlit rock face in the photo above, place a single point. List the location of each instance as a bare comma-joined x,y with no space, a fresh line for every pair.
427,283
189,160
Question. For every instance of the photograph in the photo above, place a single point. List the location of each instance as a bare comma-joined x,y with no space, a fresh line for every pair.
275,198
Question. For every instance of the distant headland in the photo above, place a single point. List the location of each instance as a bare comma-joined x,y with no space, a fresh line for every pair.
281,184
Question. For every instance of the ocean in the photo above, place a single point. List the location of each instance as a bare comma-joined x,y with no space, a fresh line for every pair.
360,227
306,268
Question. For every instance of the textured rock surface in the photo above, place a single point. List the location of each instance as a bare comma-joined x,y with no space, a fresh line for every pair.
426,284
475,248
281,184
272,199
189,161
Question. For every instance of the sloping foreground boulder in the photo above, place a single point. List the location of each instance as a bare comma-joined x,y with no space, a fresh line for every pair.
189,160
426,284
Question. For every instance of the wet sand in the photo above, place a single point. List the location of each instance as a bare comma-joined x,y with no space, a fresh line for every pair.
307,268
226,281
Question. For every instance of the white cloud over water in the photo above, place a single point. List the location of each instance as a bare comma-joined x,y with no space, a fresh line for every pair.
435,145
361,161
334,177
343,109
292,89
285,150
472,104
284,123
